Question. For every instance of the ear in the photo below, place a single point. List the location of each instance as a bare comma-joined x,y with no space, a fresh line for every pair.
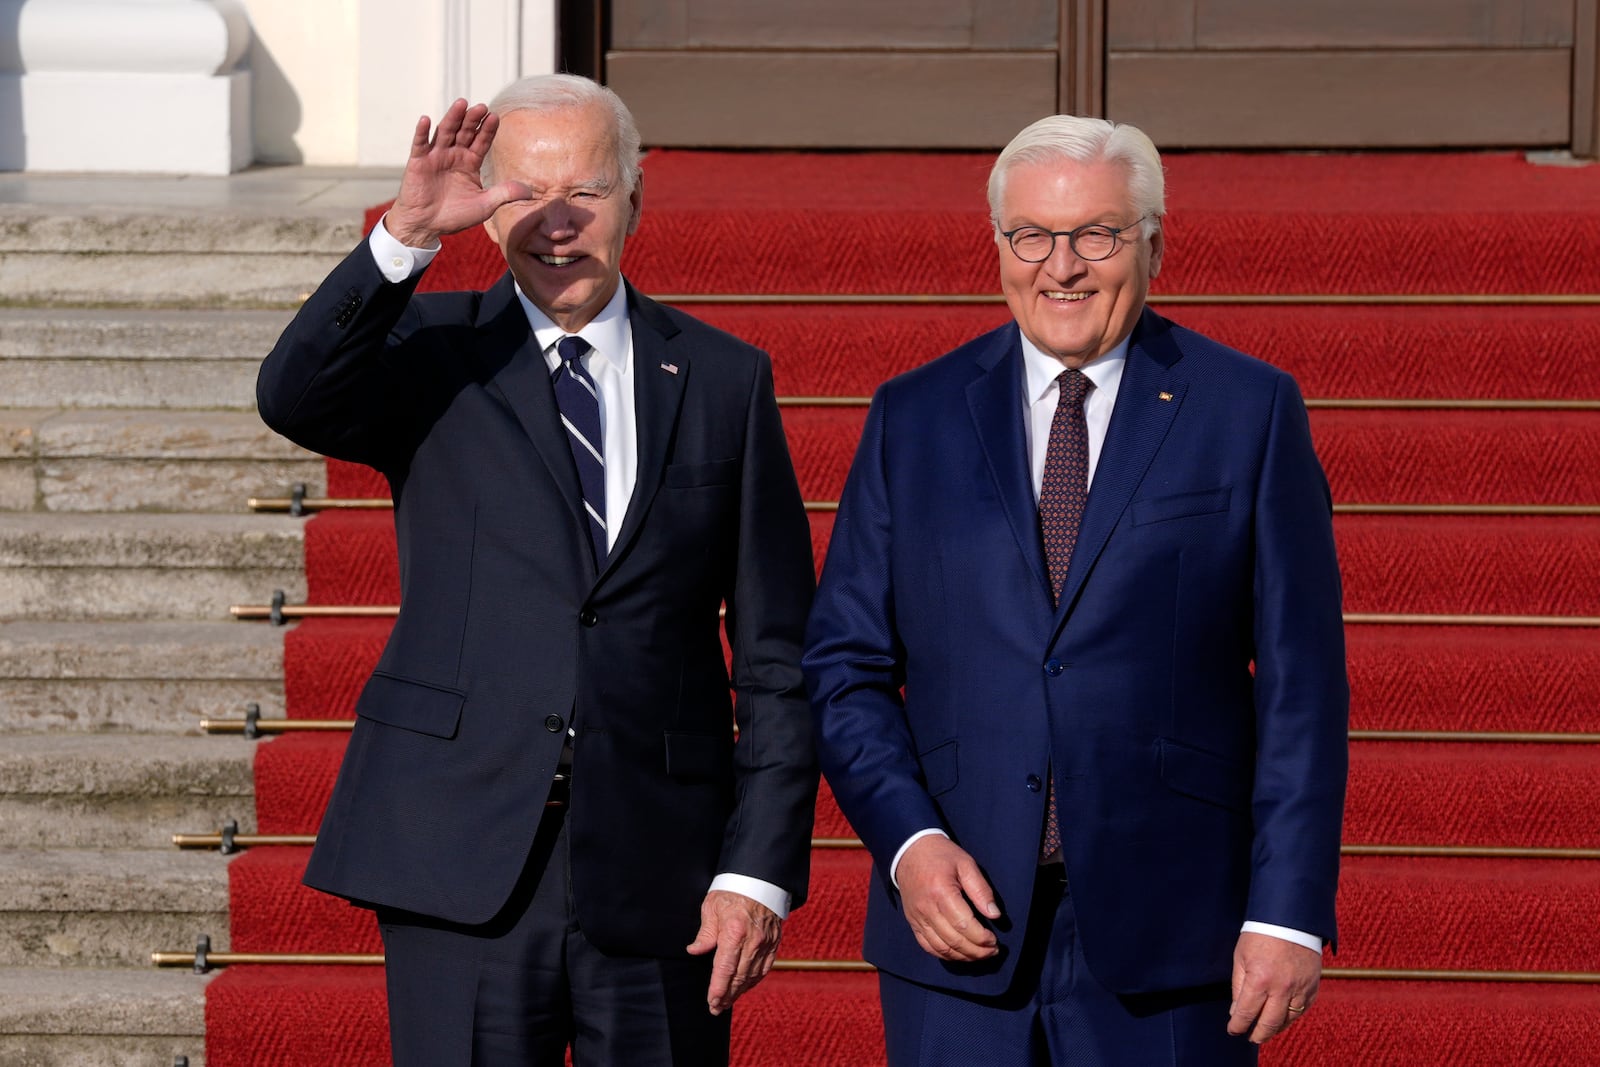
1158,244
635,205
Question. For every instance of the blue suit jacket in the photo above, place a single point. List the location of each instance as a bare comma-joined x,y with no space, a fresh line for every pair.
506,632
1193,793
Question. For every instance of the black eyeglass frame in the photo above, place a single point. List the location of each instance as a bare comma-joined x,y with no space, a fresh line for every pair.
1116,233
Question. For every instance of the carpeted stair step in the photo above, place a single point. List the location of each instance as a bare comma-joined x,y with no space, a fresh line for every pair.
260,1016
1409,456
1239,223
1343,350
147,676
80,1017
1400,793
1401,677
1430,913
1437,564
1477,565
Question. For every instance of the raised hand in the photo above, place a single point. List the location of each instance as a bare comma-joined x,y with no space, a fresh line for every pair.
441,191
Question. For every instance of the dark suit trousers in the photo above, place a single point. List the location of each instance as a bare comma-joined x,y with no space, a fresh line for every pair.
517,990
1057,1014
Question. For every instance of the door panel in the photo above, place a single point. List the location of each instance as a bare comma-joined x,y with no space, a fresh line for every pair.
835,73
1379,99
1345,73
834,99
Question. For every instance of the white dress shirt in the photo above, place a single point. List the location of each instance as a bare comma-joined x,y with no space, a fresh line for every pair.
610,363
1041,392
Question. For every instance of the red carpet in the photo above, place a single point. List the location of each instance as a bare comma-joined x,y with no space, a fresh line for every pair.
1437,564
896,224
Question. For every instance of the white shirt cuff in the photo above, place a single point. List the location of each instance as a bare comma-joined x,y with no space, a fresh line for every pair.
894,864
398,262
1298,937
766,894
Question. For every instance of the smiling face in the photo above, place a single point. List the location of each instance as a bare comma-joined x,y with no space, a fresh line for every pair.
1071,308
564,246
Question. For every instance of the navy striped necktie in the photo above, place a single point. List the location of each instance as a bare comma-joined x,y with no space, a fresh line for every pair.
579,402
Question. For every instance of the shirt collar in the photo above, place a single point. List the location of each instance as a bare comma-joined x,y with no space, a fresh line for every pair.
607,333
1042,370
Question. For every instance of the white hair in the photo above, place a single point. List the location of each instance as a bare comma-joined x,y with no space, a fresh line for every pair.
1087,140
557,92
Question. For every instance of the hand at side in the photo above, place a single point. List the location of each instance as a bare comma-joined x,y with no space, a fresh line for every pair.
1274,982
940,885
745,936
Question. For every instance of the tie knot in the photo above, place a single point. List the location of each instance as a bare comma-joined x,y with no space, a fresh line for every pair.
571,348
1075,385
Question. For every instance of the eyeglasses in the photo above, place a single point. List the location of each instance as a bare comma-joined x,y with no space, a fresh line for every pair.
1094,242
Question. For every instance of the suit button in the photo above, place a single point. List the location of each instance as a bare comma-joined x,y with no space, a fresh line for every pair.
553,723
588,617
1053,667
1034,784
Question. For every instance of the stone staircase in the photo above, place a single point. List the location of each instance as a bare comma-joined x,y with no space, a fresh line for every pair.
133,314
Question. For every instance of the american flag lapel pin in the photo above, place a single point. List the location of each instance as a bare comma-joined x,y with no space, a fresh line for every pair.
670,368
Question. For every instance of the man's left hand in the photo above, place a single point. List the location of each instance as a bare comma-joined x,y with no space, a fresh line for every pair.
745,935
1274,983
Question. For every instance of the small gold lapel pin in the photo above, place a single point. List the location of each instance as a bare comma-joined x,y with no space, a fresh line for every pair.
1164,396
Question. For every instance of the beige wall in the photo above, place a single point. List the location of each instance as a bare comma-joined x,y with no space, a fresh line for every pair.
341,82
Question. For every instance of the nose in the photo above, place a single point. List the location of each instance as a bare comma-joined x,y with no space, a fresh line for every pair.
558,221
1063,262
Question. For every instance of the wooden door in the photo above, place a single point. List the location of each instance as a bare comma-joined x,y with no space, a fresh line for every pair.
1193,73
835,73
1353,73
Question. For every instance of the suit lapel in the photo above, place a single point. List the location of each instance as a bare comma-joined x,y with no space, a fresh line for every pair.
995,401
523,382
1148,399
657,398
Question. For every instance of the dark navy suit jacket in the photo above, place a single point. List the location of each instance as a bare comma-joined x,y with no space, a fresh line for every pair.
507,634
1193,793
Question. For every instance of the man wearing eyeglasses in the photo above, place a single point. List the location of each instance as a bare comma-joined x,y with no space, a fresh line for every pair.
1077,659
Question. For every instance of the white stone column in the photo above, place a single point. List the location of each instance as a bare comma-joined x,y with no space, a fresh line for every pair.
124,85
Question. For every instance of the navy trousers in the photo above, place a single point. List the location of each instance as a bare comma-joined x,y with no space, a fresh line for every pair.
518,990
1057,1014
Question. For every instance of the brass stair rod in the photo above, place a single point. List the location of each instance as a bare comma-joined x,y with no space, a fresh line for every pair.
305,611
255,724
1156,299
223,959
216,840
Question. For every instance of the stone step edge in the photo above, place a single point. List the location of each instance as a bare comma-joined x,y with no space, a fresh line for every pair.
103,1001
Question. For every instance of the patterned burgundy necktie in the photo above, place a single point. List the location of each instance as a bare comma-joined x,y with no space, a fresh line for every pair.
1062,495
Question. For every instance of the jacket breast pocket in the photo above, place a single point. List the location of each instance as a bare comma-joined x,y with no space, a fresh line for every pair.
1204,775
1180,505
409,705
700,475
